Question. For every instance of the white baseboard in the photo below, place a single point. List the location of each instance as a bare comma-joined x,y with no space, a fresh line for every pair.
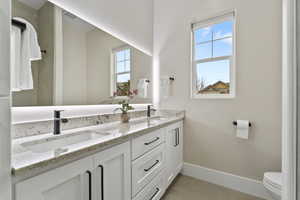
234,182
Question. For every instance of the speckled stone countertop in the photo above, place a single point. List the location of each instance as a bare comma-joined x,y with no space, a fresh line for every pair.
27,163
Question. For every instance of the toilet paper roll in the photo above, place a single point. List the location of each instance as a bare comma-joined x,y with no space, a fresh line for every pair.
242,129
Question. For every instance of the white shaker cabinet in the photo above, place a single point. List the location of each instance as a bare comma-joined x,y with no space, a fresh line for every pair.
112,174
70,182
174,151
112,177
105,175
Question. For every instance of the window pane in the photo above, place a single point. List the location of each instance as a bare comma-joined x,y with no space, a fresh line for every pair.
120,55
222,47
120,66
121,78
213,77
203,51
222,30
127,54
127,65
203,35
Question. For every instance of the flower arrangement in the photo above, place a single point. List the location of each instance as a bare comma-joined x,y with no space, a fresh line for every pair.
125,106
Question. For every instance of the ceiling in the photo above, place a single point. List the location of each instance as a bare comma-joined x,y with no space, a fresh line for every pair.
85,26
36,4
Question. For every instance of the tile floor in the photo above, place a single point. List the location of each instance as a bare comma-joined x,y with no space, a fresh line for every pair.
187,188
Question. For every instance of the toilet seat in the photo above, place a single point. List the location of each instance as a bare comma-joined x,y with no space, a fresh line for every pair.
273,182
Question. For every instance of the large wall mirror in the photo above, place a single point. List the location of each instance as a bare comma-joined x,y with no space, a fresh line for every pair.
67,61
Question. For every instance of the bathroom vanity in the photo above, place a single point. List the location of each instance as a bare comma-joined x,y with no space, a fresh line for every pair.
109,162
88,156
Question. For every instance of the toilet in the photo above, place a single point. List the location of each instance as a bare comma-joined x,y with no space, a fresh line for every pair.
272,182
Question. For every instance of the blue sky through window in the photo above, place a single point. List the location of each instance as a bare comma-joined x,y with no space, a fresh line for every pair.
212,72
211,42
123,65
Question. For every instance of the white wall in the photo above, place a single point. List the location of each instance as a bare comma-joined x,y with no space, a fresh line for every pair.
209,134
99,49
46,65
5,101
129,20
74,64
142,68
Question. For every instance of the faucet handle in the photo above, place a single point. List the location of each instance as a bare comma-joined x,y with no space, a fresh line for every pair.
151,106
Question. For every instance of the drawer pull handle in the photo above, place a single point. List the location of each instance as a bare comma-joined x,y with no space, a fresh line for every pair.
147,143
156,192
156,162
176,137
102,181
90,184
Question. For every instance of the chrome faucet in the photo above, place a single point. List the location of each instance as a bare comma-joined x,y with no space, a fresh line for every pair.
57,121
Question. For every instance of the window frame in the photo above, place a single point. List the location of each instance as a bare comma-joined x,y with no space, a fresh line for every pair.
222,17
114,73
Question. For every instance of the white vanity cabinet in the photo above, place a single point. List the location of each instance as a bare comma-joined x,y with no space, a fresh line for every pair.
139,169
174,151
105,175
70,182
154,190
112,174
146,168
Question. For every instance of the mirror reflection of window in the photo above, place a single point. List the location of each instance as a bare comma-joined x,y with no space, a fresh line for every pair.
122,70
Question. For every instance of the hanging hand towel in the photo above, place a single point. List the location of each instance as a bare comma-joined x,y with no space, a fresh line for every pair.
15,57
165,87
30,51
142,87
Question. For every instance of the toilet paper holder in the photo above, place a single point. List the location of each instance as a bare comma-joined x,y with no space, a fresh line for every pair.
235,123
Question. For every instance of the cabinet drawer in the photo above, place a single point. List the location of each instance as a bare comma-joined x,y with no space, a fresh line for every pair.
154,190
146,168
143,144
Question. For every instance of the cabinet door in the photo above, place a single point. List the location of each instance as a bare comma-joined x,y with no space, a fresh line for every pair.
113,173
174,151
70,182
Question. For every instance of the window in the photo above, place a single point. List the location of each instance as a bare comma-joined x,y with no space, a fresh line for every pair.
213,57
121,71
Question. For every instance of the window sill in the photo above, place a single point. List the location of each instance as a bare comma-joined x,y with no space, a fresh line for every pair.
213,96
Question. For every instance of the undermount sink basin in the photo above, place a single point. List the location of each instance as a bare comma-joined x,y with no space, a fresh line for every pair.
153,120
60,143
157,119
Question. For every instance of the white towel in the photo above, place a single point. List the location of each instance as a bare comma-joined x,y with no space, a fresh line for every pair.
30,51
165,87
142,87
15,53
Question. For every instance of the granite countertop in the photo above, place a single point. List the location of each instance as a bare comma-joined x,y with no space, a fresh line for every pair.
27,163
